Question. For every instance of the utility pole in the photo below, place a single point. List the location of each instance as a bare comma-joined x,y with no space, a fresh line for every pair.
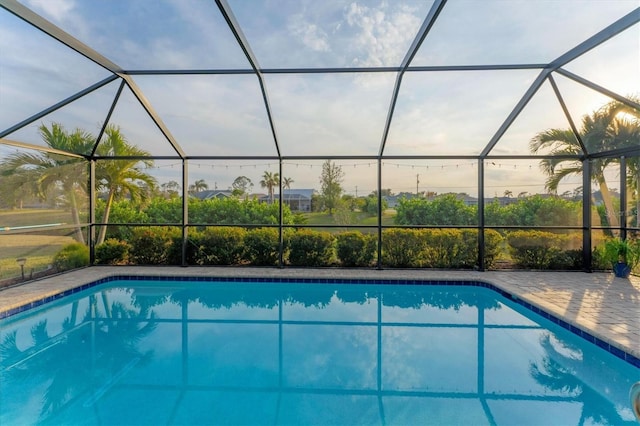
356,191
417,183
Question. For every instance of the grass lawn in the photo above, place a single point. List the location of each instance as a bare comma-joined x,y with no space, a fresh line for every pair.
37,249
27,217
341,222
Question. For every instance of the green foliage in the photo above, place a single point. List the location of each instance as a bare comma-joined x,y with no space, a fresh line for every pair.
535,211
124,211
369,205
626,251
71,256
449,248
112,252
445,209
262,246
402,248
492,247
221,246
310,248
162,210
151,246
355,248
235,211
331,184
535,249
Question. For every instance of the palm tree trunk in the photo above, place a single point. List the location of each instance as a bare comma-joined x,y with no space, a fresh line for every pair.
105,218
79,236
638,200
612,215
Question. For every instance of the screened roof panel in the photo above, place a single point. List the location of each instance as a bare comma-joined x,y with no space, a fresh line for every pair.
36,71
149,34
542,113
615,64
514,31
86,113
583,102
212,114
457,113
137,126
330,114
329,33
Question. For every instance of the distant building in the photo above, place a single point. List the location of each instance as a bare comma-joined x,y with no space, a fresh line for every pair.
210,194
298,200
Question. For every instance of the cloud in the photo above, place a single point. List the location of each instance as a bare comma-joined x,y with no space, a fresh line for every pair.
383,34
58,10
310,34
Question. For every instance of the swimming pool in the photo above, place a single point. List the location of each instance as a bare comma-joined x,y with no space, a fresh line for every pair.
221,352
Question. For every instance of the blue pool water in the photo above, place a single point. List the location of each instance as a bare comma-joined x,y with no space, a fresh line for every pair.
176,352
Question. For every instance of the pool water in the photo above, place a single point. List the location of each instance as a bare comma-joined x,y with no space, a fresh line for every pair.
175,352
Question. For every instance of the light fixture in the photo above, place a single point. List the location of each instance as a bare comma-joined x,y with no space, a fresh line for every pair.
21,261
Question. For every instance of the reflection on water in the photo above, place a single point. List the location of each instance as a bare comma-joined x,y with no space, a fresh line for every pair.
233,353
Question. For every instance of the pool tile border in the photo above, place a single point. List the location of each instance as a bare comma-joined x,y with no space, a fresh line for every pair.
617,352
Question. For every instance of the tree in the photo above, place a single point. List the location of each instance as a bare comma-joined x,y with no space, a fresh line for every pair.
603,130
170,189
51,171
270,181
198,186
286,182
241,185
121,177
508,193
331,184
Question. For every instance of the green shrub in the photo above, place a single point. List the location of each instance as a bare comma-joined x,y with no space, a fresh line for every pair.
112,252
449,248
355,248
71,256
310,248
403,248
151,246
193,249
567,260
600,261
222,246
534,249
492,243
262,246
445,209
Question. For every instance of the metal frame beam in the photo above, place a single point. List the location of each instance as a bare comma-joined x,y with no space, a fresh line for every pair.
24,145
57,106
228,15
598,88
430,19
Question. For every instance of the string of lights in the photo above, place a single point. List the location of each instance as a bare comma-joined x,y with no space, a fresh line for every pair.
231,165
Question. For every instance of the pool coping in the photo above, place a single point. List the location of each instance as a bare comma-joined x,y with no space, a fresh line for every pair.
515,286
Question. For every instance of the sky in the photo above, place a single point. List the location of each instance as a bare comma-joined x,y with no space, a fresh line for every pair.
437,113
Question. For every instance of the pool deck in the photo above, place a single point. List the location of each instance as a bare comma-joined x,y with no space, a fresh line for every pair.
598,303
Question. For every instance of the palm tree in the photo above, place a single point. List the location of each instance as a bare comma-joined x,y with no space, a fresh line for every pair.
51,171
270,181
601,131
286,182
198,186
121,177
627,131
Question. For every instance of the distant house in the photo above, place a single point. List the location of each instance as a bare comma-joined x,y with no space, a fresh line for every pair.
298,200
210,194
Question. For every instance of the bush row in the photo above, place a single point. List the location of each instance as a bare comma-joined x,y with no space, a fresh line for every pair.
545,250
404,248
